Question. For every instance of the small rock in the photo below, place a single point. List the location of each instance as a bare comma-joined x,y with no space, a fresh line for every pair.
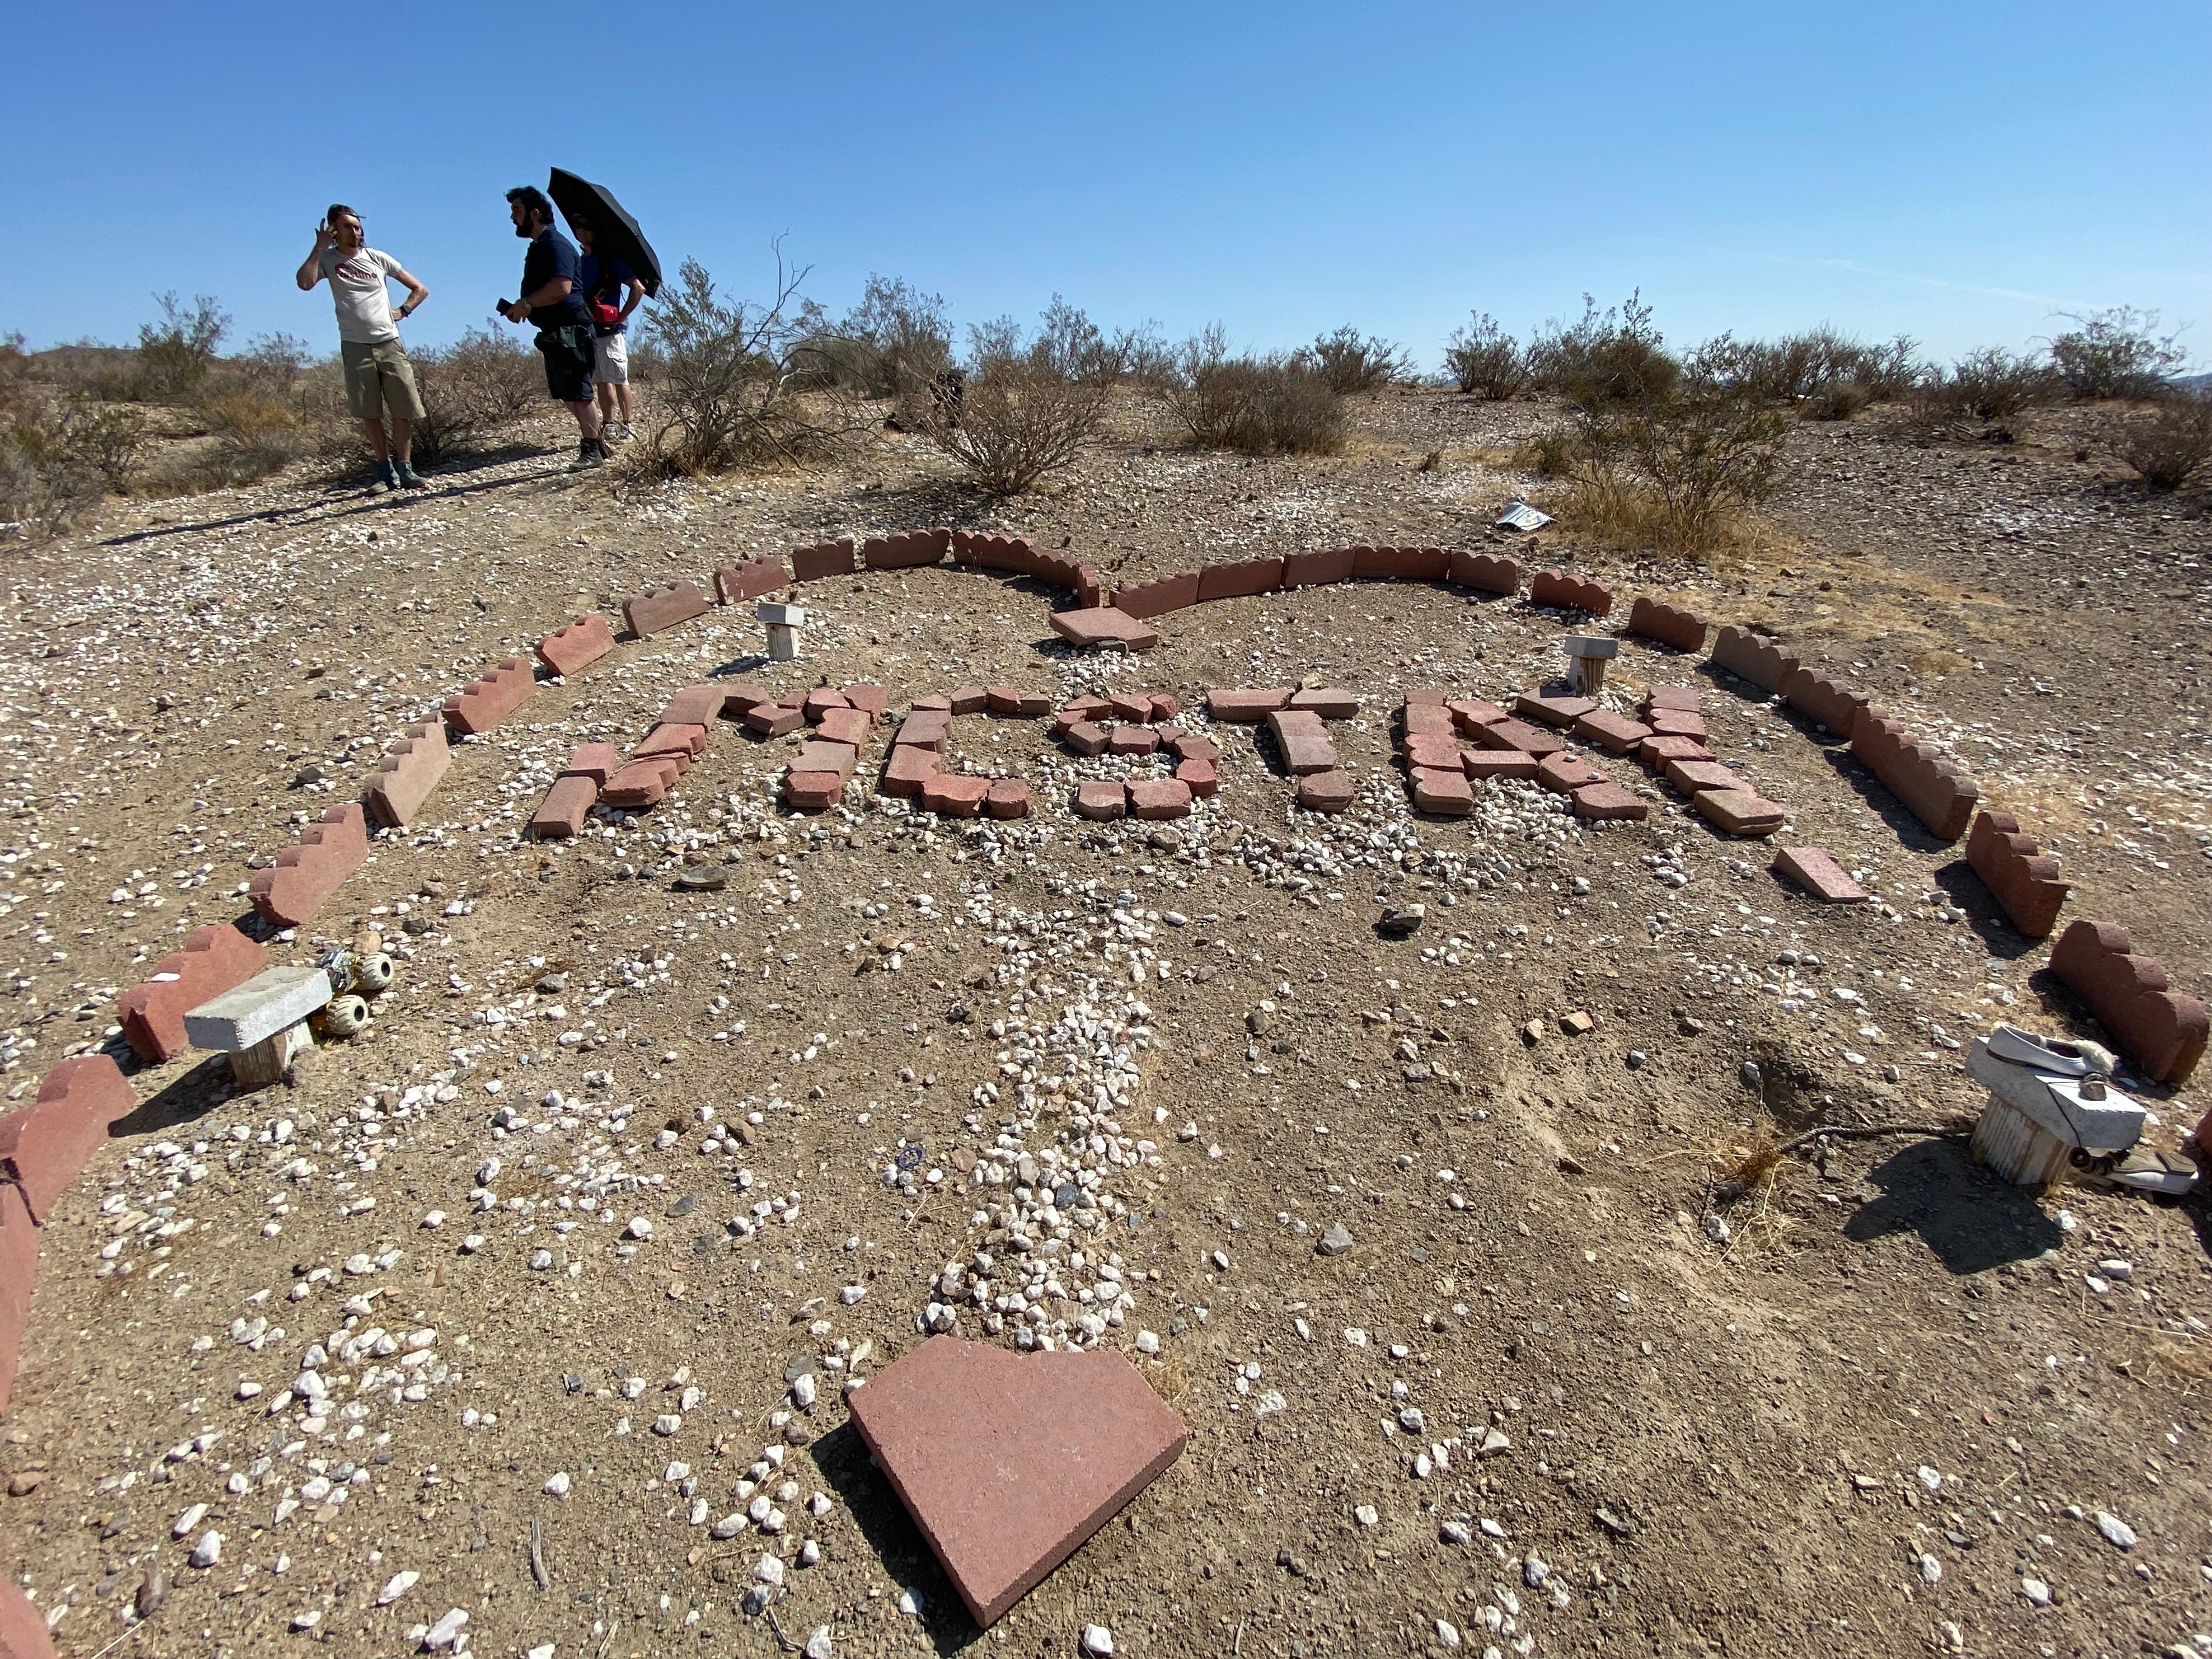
703,878
209,1550
1747,1075
1398,921
1575,1024
769,1571
396,1586
1336,1241
557,1486
1098,1640
2036,1591
1446,1633
2118,1532
446,1632
1366,1514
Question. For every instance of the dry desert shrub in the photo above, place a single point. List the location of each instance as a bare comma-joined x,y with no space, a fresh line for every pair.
1673,472
1485,362
177,353
1347,364
896,336
472,390
1983,386
2115,355
1610,357
1023,404
2168,447
733,381
1824,376
1258,405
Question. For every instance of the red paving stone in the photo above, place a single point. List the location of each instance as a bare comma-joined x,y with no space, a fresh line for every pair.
1303,741
596,761
924,729
969,700
1135,706
44,1145
1658,750
1131,740
910,767
1102,800
2161,1029
845,726
870,699
643,783
1566,773
1086,738
1201,777
1669,624
1608,801
956,795
1328,704
1432,750
1616,734
214,959
1326,792
1690,775
572,649
663,608
843,758
1815,870
812,792
566,809
2021,876
483,704
1103,625
771,719
19,1271
1444,792
1159,798
1677,723
1188,745
1738,812
1009,799
289,892
1683,698
820,701
688,741
1519,734
1247,704
1498,763
735,584
695,705
1427,720
405,777
1472,714
1008,1461
1562,712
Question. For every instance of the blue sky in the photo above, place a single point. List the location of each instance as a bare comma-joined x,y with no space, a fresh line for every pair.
1959,172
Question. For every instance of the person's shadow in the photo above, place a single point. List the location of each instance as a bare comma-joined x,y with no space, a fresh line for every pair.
1970,1217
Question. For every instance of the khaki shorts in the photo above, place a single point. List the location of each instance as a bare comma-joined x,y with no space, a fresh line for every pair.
610,359
379,380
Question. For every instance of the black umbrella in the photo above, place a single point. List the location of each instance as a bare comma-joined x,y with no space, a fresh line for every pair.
614,232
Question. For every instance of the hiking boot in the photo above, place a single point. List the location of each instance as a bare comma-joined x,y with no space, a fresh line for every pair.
409,477
385,479
589,453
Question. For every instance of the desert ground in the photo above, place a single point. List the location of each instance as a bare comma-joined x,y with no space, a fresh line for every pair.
620,1161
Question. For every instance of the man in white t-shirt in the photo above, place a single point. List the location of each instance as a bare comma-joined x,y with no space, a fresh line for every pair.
379,380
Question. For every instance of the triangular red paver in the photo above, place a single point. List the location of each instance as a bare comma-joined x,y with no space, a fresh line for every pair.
1009,1462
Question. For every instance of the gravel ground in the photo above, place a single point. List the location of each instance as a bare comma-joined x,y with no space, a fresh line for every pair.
536,1303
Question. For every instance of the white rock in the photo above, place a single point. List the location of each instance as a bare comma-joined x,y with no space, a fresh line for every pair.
667,1423
1446,1633
307,1621
557,1486
396,1586
2036,1591
2118,1532
209,1550
909,1603
446,1632
1148,1342
1098,1640
769,1571
1366,1514
192,1517
819,1645
1931,1569
639,1227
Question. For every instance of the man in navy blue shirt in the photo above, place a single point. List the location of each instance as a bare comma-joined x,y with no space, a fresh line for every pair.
611,292
553,299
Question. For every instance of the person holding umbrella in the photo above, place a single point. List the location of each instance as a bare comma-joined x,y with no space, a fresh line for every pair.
553,299
612,291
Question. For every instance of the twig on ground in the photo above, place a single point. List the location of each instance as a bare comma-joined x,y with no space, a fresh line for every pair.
781,1640
1862,1132
538,1557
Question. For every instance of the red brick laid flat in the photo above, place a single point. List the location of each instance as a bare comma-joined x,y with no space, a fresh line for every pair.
770,719
1102,800
1330,705
1738,812
572,649
1815,870
1009,799
483,703
1131,740
289,891
2161,1029
1303,741
642,782
1661,749
1562,712
923,728
1426,719
1188,745
1566,773
1677,723
1247,704
1444,792
955,794
44,1145
1498,763
1008,1461
1201,777
1326,792
812,792
1681,697
845,726
1086,738
1159,798
1103,624
1433,749
843,758
214,958
1609,801
1471,714
1519,734
2020,875
566,809
1615,734
909,767
1690,775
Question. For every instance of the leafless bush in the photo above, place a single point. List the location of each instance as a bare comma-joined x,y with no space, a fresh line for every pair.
1348,364
1025,402
272,364
2166,448
176,354
1807,370
1606,358
2117,354
472,390
1985,385
1259,405
898,335
1672,472
1485,361
731,380
255,434
59,456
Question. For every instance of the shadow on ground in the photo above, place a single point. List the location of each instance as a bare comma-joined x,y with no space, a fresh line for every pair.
889,1533
1972,1219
